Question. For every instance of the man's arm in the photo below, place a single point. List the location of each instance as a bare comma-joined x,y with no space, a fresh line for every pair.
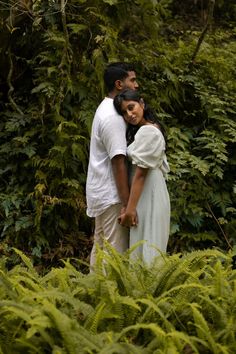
129,217
121,178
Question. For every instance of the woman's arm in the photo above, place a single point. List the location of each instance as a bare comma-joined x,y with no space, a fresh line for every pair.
129,218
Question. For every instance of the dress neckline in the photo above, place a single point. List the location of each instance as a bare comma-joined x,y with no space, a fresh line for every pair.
151,125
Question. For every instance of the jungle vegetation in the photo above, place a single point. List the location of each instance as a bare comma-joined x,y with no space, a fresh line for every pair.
52,57
179,304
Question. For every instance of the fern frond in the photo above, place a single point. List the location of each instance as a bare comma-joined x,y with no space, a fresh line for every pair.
93,321
157,330
152,307
184,268
181,339
75,337
26,261
6,288
202,328
20,311
123,348
24,284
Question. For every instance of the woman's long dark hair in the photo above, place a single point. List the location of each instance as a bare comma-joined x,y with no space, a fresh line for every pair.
148,113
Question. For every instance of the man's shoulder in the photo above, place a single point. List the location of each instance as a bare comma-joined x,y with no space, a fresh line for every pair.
106,108
106,117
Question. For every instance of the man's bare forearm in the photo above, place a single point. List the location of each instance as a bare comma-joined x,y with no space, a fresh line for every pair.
121,178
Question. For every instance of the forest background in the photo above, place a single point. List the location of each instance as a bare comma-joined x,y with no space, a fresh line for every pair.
52,57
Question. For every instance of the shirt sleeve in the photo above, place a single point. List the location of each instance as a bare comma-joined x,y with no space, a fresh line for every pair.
148,149
113,135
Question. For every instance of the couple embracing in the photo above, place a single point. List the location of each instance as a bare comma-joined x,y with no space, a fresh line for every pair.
129,201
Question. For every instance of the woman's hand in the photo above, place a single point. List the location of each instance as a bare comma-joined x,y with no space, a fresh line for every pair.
128,219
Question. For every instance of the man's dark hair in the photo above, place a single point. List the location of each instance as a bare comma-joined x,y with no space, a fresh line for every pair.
116,71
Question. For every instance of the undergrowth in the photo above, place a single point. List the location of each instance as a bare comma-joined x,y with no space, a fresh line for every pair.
183,303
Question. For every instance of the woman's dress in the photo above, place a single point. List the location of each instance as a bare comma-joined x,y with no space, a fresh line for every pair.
153,209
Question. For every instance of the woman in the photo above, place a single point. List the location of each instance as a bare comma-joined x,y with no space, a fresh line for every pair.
148,192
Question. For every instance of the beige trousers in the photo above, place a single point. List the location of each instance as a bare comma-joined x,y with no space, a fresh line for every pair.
107,227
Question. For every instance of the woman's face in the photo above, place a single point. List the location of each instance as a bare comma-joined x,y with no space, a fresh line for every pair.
132,112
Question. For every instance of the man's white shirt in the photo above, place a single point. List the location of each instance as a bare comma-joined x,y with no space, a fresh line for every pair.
108,139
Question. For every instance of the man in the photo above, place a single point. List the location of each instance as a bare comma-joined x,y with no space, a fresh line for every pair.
107,189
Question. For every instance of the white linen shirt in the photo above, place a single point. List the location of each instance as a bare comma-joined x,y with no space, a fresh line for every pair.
108,139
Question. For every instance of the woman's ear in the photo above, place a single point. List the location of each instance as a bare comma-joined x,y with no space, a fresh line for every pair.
142,103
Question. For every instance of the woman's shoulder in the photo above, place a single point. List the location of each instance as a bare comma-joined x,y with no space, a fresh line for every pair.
150,130
150,135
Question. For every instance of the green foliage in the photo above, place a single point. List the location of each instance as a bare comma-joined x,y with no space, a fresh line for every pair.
53,54
209,127
180,303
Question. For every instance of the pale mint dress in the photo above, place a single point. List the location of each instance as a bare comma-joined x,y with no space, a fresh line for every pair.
148,151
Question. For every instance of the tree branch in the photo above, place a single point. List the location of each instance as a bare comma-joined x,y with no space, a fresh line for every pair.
217,222
66,55
210,11
65,31
11,88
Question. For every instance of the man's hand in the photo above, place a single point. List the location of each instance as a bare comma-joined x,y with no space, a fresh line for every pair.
128,219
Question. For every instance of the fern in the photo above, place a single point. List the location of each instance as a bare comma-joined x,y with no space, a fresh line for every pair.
203,330
73,312
153,308
46,119
74,336
123,348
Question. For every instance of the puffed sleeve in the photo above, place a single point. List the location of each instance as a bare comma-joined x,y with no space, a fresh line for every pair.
148,148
